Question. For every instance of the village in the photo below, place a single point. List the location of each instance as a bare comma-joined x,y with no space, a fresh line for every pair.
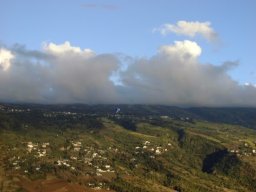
80,159
77,158
244,149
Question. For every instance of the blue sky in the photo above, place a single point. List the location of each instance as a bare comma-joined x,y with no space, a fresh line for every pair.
126,26
122,26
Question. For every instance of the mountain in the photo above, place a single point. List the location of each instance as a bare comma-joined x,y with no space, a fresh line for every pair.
149,148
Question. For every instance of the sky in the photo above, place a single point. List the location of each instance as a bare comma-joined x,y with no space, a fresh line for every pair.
174,52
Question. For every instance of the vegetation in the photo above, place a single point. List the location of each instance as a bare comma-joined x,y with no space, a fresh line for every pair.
142,148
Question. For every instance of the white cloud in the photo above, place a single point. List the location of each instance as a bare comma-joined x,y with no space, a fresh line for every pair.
68,74
185,50
171,79
59,74
190,29
5,59
65,48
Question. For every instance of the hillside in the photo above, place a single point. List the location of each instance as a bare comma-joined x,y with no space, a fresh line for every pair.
141,148
231,115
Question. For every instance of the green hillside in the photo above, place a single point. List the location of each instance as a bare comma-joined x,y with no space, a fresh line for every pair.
52,149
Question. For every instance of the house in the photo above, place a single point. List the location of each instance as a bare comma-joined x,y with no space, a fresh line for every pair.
158,152
146,143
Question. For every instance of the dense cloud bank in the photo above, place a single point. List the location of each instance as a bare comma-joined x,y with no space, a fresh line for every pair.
67,74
